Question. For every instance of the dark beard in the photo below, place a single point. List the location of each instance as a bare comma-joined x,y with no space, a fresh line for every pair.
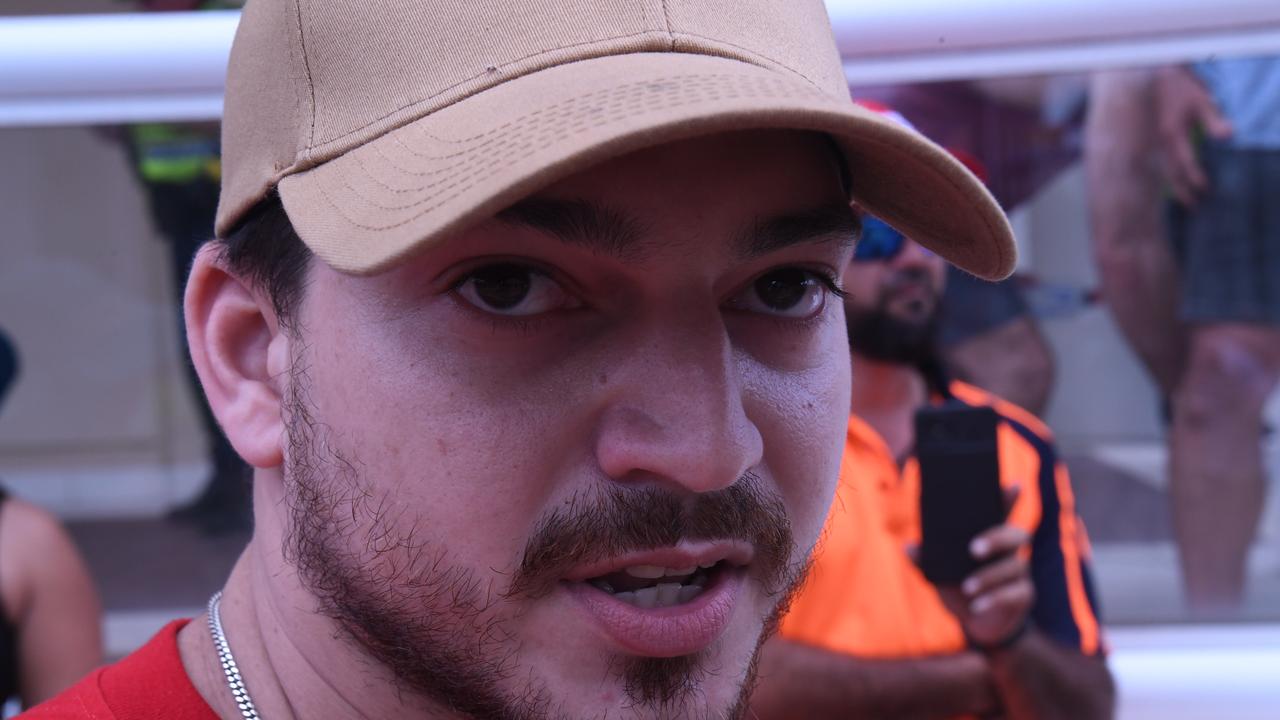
431,623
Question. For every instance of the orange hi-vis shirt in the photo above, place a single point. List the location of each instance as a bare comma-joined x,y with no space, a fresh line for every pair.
865,597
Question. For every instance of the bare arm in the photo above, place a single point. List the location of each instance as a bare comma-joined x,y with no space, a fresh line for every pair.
800,681
1039,679
55,605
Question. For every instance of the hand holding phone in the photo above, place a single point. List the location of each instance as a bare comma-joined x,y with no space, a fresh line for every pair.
994,603
967,548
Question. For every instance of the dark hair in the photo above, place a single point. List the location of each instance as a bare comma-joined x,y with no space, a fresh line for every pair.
265,250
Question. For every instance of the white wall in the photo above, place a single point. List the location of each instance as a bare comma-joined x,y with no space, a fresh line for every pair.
99,422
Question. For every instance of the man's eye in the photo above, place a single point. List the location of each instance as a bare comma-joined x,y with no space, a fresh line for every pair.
512,289
786,292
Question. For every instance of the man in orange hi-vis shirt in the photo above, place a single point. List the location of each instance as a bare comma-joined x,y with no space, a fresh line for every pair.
869,636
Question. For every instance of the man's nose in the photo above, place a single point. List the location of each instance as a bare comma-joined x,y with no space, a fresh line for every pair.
913,255
677,415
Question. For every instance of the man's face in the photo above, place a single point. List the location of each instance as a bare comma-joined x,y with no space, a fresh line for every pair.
891,306
568,462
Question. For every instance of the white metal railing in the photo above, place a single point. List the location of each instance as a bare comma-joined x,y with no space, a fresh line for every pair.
1197,672
907,40
81,69
126,67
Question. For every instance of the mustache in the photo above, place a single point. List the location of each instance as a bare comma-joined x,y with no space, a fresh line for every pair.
616,519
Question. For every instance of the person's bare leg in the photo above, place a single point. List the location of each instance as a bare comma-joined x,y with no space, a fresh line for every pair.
1139,276
1013,361
1218,485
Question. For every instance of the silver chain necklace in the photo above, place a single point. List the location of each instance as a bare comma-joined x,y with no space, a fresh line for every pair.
229,667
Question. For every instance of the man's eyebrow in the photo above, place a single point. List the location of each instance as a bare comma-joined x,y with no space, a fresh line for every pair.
578,222
832,222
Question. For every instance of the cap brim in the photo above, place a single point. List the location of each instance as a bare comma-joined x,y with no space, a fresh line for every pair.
365,210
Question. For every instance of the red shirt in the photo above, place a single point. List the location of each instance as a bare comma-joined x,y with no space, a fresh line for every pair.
151,683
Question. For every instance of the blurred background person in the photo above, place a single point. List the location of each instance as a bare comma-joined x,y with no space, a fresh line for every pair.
868,635
1017,135
1211,134
50,617
179,167
1136,265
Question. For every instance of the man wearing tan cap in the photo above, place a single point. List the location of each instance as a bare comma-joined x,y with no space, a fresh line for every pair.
525,315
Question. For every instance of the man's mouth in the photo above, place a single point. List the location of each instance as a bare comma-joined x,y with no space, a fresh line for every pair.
664,602
912,290
654,586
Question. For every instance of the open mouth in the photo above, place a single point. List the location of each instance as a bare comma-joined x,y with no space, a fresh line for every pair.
653,586
664,602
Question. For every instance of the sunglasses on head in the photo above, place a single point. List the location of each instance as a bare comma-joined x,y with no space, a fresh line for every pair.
878,241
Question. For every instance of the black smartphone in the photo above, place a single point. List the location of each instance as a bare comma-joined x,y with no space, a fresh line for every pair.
960,493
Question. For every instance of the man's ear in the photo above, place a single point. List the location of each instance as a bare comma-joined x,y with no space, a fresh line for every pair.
241,354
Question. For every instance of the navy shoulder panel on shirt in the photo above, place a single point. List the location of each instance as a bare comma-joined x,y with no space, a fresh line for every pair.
1052,611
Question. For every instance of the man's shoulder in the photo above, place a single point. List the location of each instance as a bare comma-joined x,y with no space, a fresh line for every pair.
860,434
150,683
82,700
1013,414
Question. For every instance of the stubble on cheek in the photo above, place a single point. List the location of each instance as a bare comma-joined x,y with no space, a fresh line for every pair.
436,626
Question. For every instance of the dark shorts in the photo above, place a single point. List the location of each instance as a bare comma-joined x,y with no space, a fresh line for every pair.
973,307
8,365
1228,245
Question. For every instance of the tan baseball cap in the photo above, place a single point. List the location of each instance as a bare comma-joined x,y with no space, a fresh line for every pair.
387,124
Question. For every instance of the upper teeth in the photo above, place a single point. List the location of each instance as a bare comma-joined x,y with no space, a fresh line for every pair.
653,572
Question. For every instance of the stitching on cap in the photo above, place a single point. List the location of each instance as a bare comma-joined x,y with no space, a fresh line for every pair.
482,73
471,177
721,90
478,174
615,90
666,18
306,66
546,134
754,54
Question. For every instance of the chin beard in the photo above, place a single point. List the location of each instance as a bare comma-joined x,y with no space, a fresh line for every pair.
878,335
